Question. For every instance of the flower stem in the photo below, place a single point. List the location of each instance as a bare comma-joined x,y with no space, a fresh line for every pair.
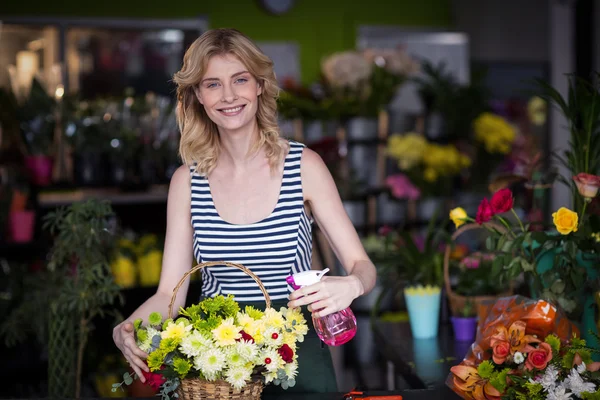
508,228
585,203
518,219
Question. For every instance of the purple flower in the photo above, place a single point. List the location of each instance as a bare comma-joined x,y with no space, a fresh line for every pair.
402,187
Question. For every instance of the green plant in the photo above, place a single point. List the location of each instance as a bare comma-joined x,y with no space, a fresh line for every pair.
468,309
412,259
74,289
581,108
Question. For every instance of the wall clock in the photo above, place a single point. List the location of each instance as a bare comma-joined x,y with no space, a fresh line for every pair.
277,7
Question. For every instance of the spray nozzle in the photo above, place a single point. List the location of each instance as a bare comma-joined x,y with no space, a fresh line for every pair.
305,278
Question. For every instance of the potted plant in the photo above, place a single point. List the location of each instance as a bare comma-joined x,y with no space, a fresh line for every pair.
75,288
359,85
36,115
417,273
464,323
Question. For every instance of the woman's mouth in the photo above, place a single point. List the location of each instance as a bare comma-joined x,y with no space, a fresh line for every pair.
232,111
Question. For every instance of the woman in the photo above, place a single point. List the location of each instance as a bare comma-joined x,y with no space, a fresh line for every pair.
250,197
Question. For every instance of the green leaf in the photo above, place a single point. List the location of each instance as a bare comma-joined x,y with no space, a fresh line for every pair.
506,247
490,243
558,286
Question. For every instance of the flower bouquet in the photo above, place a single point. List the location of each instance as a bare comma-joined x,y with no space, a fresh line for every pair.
526,350
215,350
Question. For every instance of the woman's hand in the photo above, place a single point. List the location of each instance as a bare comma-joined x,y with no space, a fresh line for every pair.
331,294
125,341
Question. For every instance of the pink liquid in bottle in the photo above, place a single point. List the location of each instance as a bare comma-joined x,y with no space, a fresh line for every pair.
333,329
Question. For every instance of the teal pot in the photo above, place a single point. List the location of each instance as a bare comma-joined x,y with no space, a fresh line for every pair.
423,311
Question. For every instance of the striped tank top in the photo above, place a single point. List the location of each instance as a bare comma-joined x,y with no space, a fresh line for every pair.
273,248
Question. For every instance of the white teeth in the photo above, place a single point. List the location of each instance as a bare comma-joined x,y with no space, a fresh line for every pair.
231,110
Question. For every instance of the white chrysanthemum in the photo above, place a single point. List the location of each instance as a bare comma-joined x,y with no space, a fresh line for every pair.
273,319
238,376
194,344
233,357
273,337
581,368
518,357
291,369
210,362
247,350
577,385
548,380
559,393
146,345
269,377
275,361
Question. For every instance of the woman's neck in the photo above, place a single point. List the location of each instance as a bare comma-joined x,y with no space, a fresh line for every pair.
236,146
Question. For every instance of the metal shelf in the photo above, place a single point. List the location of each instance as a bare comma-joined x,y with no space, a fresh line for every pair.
156,194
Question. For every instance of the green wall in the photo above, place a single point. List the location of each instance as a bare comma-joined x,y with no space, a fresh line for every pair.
318,26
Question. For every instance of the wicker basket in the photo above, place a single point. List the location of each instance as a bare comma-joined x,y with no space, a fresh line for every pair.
200,389
457,301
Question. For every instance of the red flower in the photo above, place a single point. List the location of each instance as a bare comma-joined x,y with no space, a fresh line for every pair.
539,358
502,201
153,379
484,212
245,337
286,353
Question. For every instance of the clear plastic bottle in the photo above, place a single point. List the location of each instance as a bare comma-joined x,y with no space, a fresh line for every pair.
333,329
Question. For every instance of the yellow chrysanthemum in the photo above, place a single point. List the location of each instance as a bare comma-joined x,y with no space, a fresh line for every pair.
430,175
244,320
226,333
273,319
496,134
176,331
408,149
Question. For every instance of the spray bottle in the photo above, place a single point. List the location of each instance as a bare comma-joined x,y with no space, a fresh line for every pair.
333,329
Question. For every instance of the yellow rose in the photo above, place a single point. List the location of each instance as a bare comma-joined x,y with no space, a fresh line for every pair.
565,220
459,216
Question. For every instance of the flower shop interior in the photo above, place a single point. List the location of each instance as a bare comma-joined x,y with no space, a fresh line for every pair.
463,138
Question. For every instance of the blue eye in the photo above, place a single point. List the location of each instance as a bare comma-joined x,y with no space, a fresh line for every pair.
211,85
241,80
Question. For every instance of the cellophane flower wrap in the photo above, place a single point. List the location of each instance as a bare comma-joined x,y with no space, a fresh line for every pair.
216,340
526,350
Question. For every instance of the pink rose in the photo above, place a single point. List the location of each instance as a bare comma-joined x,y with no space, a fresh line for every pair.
539,357
587,184
500,349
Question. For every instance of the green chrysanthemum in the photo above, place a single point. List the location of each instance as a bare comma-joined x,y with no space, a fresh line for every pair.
137,323
181,366
166,323
485,369
155,318
554,342
169,344
254,313
142,335
155,360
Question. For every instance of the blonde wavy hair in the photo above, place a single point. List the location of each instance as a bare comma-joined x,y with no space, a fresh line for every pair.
200,143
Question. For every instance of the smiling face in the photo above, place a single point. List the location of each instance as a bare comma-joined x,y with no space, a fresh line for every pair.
229,93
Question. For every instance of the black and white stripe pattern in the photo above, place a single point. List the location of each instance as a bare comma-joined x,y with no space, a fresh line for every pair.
277,246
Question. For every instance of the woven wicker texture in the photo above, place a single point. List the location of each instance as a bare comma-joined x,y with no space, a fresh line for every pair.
457,301
200,389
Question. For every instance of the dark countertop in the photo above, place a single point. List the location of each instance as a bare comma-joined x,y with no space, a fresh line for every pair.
425,394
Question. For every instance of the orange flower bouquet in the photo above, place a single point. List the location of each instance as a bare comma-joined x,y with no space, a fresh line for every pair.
526,349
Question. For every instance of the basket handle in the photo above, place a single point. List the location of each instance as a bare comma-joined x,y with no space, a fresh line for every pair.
457,233
211,263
